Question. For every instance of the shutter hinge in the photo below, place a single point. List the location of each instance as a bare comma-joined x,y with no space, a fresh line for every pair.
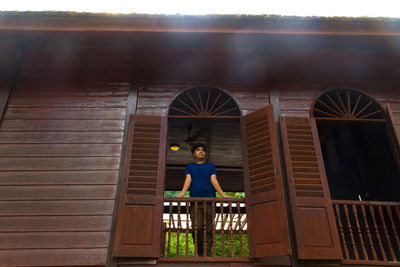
276,171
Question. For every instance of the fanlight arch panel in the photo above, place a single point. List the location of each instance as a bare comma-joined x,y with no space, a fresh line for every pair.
347,104
204,101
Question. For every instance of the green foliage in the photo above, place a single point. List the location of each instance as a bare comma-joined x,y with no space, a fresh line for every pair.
233,194
173,245
182,244
174,193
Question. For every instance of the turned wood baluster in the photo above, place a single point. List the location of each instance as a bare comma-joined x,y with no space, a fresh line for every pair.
378,235
196,208
204,229
240,229
371,244
395,233
346,211
169,230
231,227
397,210
179,229
222,229
346,251
213,229
359,232
385,229
187,229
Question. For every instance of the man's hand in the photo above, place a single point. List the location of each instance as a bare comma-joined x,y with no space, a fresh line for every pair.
186,185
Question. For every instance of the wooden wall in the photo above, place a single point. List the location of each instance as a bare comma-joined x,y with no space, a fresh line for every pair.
60,147
301,76
241,72
62,130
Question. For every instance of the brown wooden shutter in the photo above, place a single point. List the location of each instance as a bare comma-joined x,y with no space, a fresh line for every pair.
267,218
141,199
393,134
314,221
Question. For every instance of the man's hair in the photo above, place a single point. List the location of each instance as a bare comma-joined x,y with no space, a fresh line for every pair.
196,146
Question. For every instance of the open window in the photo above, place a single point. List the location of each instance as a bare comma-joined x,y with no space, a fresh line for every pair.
355,143
245,151
360,151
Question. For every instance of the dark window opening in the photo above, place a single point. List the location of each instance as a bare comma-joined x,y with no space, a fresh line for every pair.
359,161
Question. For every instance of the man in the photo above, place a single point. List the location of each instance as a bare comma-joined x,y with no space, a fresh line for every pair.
201,179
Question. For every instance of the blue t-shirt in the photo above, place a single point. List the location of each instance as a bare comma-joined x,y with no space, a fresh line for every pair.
201,179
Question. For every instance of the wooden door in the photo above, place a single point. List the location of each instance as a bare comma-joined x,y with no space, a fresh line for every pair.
314,221
266,212
139,219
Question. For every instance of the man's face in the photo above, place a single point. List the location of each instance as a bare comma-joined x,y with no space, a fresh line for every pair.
199,153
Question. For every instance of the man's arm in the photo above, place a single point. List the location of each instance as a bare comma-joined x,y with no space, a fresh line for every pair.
216,185
186,185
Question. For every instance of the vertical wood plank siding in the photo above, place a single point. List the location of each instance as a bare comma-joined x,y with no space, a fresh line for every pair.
60,148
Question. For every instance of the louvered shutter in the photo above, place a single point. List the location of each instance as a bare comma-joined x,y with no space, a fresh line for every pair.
393,134
267,218
138,227
314,222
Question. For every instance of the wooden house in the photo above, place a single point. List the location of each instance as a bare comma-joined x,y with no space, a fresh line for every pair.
300,114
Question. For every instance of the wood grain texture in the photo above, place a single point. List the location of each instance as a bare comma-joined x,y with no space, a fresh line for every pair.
66,101
55,223
264,187
53,257
138,229
51,208
78,177
60,149
59,163
62,125
54,150
64,113
60,137
57,192
54,240
314,221
300,76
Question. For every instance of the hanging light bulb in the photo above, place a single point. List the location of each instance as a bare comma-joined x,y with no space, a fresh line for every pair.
174,146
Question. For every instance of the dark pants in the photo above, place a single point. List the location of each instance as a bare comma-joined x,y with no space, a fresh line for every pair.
199,240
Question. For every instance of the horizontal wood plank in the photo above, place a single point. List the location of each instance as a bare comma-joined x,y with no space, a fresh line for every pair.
65,113
54,240
61,137
43,192
82,102
60,163
54,257
43,150
57,177
62,207
63,125
73,88
55,223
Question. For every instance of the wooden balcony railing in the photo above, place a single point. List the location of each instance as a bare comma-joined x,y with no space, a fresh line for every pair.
220,228
369,231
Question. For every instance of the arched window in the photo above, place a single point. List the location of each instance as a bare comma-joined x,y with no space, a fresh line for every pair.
204,101
356,146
